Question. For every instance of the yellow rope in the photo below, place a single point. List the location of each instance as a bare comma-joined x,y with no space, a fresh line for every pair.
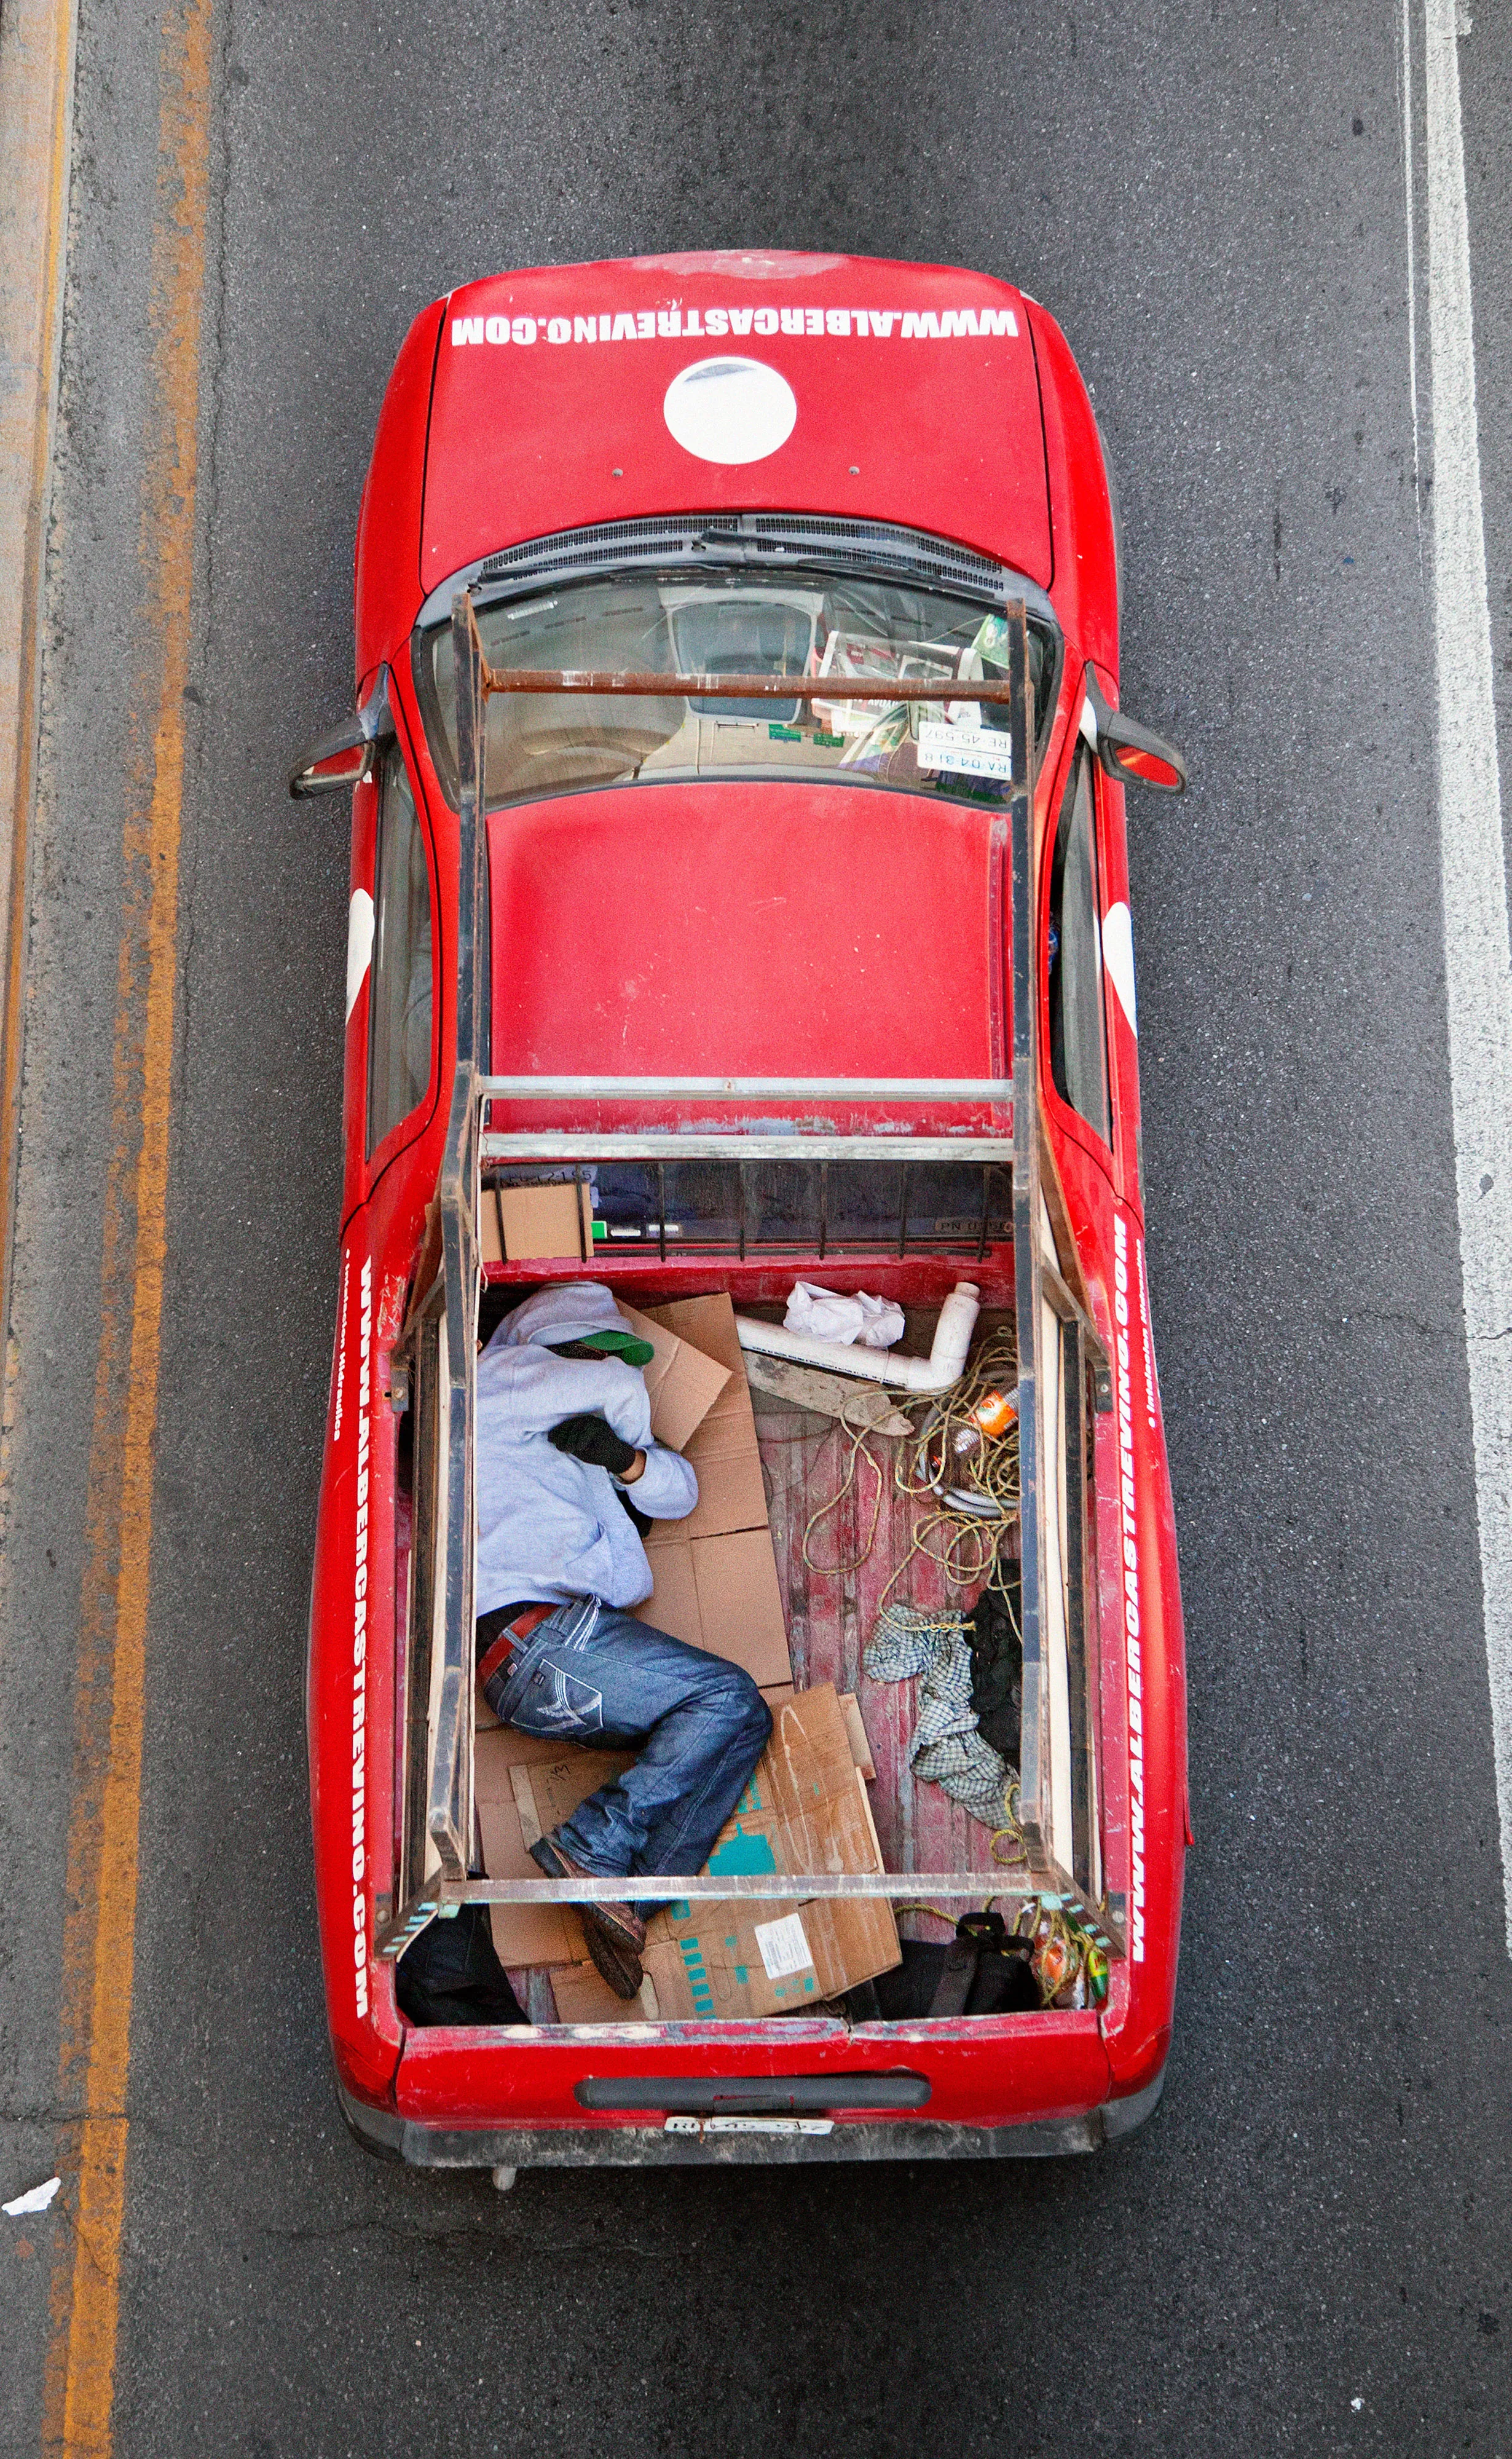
976,1546
860,1449
968,1551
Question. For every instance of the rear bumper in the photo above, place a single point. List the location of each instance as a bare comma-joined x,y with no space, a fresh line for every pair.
649,2146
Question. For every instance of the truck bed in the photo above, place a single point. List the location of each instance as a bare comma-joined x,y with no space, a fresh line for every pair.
832,1617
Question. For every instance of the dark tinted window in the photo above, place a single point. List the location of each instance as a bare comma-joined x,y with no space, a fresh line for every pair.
1077,1045
399,997
806,1207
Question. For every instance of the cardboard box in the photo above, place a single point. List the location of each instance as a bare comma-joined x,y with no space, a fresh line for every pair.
583,1996
683,1383
715,1572
508,1766
516,1223
804,1809
855,1726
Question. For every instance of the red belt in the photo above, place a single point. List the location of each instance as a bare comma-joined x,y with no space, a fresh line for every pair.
513,1635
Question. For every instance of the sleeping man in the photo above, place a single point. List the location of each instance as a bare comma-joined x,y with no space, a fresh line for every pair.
568,1475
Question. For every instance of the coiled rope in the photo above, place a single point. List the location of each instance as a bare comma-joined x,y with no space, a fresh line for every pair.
966,1545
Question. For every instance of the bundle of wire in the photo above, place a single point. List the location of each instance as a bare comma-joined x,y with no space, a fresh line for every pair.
972,1529
973,1473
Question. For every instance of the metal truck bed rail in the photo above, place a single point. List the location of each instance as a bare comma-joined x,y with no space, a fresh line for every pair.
1062,1367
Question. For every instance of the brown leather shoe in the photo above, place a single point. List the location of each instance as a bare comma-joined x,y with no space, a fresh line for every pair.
615,1933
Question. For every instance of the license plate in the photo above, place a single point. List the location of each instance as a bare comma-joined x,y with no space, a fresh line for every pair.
750,2126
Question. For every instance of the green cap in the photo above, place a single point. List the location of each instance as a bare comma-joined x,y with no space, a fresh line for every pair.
621,1344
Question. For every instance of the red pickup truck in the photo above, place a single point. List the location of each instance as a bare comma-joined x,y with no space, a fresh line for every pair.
737,783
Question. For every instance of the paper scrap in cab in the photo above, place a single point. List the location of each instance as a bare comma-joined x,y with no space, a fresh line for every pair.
964,750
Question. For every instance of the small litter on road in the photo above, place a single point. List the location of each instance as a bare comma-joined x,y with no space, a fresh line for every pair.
36,2198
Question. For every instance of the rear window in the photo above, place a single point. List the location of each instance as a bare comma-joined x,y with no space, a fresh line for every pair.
802,1207
852,629
1078,1044
399,999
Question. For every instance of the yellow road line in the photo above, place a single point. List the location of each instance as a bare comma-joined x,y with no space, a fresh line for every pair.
37,47
101,1915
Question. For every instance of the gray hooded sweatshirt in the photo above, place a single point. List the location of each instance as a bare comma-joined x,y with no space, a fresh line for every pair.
550,1526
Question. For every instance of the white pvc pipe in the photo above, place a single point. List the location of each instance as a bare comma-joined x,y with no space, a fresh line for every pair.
945,1364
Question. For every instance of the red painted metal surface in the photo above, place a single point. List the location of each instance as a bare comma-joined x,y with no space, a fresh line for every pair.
641,930
1084,587
388,566
350,1672
986,2072
834,924
936,428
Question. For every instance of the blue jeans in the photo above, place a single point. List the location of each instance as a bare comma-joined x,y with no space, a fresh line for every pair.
593,1674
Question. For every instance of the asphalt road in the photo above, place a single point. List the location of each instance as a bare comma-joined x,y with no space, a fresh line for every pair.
1307,2251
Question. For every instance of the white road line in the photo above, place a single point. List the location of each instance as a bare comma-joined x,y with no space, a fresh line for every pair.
1412,260
1476,952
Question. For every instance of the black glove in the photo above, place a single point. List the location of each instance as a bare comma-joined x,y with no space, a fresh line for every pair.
592,1437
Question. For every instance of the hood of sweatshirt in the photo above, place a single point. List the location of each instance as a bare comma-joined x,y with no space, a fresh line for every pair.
570,1312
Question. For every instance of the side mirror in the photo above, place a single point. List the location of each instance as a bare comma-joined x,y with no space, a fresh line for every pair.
1129,751
340,756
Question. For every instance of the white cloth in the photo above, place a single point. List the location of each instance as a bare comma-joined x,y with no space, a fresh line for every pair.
549,1526
872,1323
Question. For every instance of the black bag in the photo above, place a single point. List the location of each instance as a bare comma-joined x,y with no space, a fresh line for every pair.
996,1653
983,1971
452,1975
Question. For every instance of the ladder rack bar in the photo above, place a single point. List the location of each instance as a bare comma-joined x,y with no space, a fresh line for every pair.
843,1886
1049,1887
608,1146
746,1088
839,689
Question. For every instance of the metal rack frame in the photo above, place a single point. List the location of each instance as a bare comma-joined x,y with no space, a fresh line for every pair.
1064,1861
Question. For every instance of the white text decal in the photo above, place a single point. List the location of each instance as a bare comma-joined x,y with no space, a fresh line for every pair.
718,323
359,1794
1131,1610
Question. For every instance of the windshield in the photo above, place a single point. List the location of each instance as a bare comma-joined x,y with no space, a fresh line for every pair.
851,628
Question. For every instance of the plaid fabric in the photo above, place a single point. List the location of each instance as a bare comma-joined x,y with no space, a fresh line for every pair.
947,1748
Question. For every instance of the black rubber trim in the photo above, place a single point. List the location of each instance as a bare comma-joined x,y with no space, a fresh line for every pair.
1122,2118
751,2096
887,548
641,2143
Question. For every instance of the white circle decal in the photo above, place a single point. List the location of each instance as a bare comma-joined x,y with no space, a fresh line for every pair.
730,410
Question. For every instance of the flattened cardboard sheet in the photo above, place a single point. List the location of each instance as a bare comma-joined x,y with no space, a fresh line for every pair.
725,1452
716,1572
683,1383
514,1773
804,1809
